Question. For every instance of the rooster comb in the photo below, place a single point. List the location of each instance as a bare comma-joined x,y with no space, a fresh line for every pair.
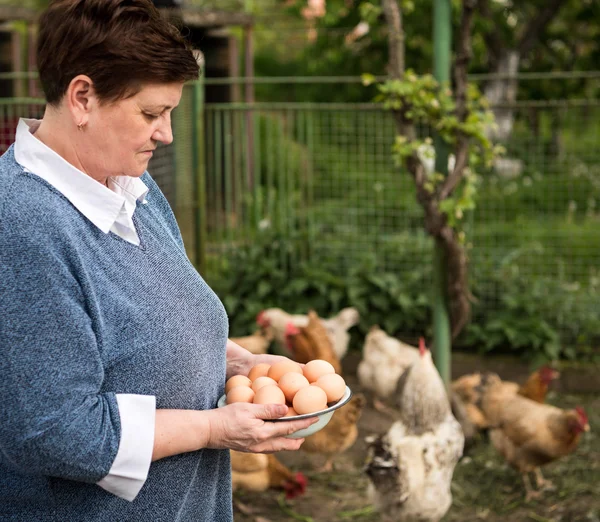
548,374
422,347
583,418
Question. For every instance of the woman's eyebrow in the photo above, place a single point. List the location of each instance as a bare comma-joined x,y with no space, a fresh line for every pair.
158,107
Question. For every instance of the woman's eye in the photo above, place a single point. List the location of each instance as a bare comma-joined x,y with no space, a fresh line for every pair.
151,116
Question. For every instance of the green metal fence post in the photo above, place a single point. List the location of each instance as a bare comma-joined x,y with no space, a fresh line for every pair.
199,174
442,36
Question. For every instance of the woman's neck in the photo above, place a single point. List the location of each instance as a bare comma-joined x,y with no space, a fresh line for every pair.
58,137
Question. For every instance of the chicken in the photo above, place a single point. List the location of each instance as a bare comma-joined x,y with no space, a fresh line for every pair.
536,386
339,435
410,468
311,342
258,472
529,434
275,320
384,360
257,343
469,388
337,328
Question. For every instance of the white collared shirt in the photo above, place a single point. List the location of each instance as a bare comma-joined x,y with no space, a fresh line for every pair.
111,209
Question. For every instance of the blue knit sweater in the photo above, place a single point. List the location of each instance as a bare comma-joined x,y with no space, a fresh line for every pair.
84,316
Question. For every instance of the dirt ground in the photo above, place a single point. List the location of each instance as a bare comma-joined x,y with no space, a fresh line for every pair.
484,488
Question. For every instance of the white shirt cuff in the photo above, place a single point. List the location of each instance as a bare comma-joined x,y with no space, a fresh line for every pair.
130,467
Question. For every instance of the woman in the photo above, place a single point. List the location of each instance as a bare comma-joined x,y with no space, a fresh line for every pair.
113,350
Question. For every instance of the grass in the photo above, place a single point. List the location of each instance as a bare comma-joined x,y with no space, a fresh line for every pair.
484,487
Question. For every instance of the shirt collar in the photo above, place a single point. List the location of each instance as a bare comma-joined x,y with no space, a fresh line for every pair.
96,202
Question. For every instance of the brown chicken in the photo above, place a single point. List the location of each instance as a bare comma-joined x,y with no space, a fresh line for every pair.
257,343
276,320
259,472
536,386
311,342
468,389
339,435
529,434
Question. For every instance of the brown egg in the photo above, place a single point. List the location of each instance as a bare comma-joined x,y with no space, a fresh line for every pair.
240,394
260,370
270,394
310,400
262,381
290,383
333,385
291,412
317,367
279,369
237,380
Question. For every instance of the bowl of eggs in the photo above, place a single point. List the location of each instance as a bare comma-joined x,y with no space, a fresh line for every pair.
312,390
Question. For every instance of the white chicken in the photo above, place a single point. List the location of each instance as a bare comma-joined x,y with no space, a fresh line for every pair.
410,468
275,320
384,360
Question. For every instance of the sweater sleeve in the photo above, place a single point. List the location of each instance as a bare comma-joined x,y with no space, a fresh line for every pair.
54,419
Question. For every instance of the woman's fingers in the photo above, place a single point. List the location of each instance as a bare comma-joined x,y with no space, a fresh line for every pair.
271,411
246,427
278,444
282,429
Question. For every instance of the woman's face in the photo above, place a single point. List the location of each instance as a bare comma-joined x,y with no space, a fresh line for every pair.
121,136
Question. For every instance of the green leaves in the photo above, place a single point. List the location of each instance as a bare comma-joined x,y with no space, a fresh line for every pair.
541,318
422,101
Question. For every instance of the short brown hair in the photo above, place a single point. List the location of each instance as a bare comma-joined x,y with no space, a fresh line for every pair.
120,44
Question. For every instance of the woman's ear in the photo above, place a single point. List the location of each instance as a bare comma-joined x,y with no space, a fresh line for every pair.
81,99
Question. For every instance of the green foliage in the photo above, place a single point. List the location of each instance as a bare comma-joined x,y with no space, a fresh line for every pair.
422,100
544,318
540,318
266,273
567,43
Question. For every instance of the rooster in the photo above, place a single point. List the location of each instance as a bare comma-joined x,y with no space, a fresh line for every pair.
339,434
410,468
384,360
311,342
259,472
276,320
529,434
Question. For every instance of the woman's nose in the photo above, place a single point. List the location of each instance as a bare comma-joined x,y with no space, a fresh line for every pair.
164,133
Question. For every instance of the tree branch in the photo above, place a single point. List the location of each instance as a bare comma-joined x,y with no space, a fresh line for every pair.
393,16
454,177
537,24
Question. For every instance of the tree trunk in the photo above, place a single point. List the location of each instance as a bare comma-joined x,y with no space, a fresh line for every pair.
502,91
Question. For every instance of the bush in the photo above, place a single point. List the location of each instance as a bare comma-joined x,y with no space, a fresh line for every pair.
539,318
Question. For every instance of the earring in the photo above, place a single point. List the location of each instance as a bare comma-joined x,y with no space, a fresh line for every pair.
80,125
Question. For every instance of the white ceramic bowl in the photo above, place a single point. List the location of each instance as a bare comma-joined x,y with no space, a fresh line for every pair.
324,416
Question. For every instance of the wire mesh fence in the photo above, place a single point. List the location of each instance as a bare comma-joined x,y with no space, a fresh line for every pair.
325,172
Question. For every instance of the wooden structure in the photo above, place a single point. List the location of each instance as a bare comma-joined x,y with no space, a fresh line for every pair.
210,32
17,50
207,30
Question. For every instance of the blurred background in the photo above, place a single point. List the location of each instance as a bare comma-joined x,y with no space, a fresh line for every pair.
285,188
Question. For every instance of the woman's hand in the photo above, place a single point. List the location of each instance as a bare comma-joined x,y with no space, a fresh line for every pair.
240,360
242,427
